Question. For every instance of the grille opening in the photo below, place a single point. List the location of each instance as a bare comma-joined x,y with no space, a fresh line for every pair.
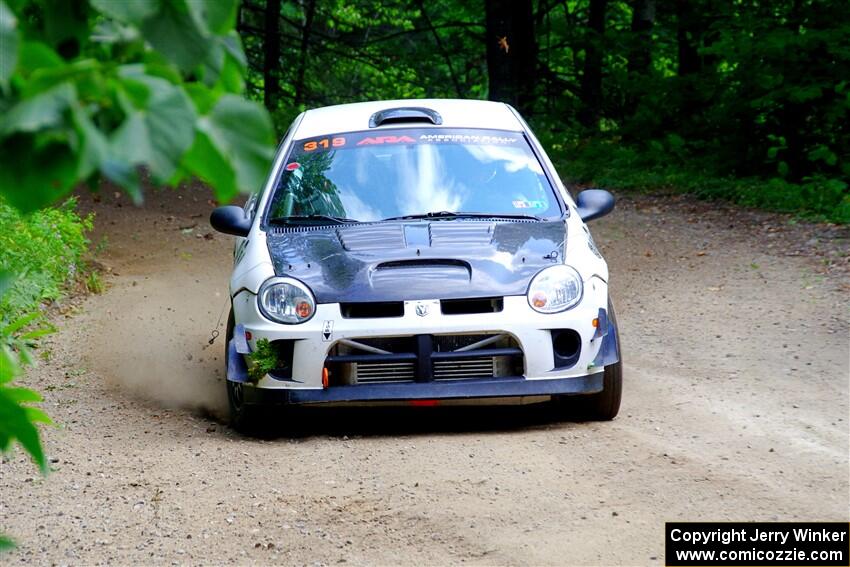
284,349
372,310
471,306
566,347
483,367
379,362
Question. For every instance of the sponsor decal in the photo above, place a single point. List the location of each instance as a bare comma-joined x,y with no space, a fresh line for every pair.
408,137
378,140
324,144
466,139
521,204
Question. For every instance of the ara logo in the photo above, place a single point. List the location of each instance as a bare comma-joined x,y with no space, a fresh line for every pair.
377,140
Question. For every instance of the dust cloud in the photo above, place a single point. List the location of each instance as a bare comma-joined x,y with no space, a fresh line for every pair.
154,341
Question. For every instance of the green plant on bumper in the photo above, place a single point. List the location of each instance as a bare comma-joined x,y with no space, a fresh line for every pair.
263,360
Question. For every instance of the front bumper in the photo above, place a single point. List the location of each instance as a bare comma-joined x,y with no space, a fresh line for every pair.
531,332
513,386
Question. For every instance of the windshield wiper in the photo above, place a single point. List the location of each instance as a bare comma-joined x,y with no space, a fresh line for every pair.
307,219
458,215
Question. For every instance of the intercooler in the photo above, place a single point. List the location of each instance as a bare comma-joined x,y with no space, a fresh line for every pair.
418,358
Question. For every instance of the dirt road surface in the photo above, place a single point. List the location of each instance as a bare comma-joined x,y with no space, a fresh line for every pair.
735,407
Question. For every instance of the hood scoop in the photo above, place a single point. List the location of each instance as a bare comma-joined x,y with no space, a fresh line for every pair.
432,271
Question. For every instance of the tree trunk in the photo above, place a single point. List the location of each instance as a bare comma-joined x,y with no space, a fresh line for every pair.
643,19
511,52
591,80
309,15
271,55
688,36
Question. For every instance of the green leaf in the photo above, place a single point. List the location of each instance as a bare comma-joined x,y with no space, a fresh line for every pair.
93,145
203,97
158,135
823,153
6,281
36,172
16,425
37,415
127,11
36,55
242,133
22,395
84,75
175,33
231,75
8,42
20,323
42,111
9,366
219,16
6,543
207,163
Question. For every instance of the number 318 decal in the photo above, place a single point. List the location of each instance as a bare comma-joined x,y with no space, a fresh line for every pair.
324,144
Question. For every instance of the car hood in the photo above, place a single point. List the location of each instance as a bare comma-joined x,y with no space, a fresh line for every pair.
401,261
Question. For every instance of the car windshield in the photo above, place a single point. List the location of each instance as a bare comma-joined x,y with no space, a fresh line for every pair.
377,175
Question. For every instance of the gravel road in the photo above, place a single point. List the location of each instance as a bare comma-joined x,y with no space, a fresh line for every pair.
735,407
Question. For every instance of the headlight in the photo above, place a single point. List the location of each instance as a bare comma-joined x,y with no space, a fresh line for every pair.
555,289
286,300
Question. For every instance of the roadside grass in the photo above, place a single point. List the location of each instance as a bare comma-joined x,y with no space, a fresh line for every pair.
41,258
44,252
667,166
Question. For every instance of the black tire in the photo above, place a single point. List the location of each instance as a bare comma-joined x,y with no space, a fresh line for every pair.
244,418
604,405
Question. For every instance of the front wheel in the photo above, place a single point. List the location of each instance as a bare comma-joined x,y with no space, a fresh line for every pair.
244,418
604,405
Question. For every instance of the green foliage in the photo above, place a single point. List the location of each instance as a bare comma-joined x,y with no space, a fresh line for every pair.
103,88
17,416
263,360
614,165
761,105
94,284
44,251
39,254
107,88
367,50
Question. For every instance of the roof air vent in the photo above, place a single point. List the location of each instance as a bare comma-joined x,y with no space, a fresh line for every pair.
405,114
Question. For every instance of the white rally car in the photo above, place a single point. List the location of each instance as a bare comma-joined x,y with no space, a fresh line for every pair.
418,252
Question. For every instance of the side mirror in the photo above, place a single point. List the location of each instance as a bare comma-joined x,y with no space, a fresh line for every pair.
230,220
594,203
